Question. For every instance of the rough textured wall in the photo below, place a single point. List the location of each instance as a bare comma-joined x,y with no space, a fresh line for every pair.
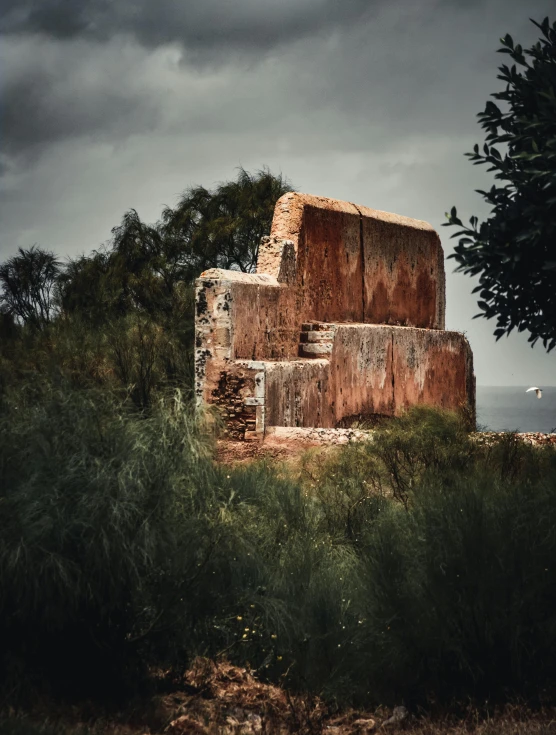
266,322
432,367
361,368
356,264
383,370
297,393
372,370
404,271
330,265
344,319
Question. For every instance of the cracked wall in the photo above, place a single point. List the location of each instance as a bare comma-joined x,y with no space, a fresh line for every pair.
343,319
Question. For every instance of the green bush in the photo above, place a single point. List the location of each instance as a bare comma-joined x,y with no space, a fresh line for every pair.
461,591
455,545
123,545
139,357
417,565
107,521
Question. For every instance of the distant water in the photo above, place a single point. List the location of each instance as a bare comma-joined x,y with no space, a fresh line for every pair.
510,408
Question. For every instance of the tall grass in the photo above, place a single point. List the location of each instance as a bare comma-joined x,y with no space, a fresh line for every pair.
418,565
138,357
97,507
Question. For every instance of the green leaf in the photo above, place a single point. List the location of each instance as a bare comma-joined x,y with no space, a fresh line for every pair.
507,41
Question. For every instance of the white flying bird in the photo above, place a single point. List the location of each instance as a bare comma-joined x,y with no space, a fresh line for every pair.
538,391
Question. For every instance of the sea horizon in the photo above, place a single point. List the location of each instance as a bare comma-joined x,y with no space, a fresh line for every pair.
511,408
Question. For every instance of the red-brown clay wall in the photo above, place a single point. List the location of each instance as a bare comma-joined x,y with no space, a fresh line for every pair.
383,370
297,394
361,371
246,316
404,271
373,370
266,322
329,265
356,264
432,367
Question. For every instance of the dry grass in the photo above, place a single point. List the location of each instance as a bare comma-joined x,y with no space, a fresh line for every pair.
222,699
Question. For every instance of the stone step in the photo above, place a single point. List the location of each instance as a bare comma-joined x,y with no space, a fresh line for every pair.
315,349
315,327
327,336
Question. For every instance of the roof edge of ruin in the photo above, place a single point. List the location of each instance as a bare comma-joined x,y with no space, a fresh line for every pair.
228,276
289,210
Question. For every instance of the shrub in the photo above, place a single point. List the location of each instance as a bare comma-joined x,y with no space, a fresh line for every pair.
392,462
140,357
460,590
452,539
104,521
124,546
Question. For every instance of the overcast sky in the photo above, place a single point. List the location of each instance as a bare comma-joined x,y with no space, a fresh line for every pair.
114,104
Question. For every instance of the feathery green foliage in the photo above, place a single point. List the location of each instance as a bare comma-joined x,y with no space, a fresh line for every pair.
95,510
134,356
416,572
28,282
223,228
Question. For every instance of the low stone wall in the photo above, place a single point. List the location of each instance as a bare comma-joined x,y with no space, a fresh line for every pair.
371,370
313,436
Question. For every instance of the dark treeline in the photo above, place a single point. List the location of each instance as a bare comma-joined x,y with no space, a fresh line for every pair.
122,316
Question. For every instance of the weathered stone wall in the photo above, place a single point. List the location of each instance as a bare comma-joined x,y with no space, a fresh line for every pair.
356,264
372,370
297,393
344,319
404,271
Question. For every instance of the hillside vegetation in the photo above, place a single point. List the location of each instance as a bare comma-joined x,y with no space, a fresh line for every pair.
416,568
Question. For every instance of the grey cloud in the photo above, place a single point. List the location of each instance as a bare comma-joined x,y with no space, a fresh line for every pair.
376,77
57,18
52,92
46,87
37,114
197,24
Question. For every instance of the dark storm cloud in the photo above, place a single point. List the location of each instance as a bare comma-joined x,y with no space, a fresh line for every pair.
37,112
196,24
47,95
60,59
53,91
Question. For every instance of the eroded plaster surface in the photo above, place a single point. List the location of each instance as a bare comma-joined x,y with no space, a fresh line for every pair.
344,319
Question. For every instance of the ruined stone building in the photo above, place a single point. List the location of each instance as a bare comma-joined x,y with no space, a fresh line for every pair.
343,320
